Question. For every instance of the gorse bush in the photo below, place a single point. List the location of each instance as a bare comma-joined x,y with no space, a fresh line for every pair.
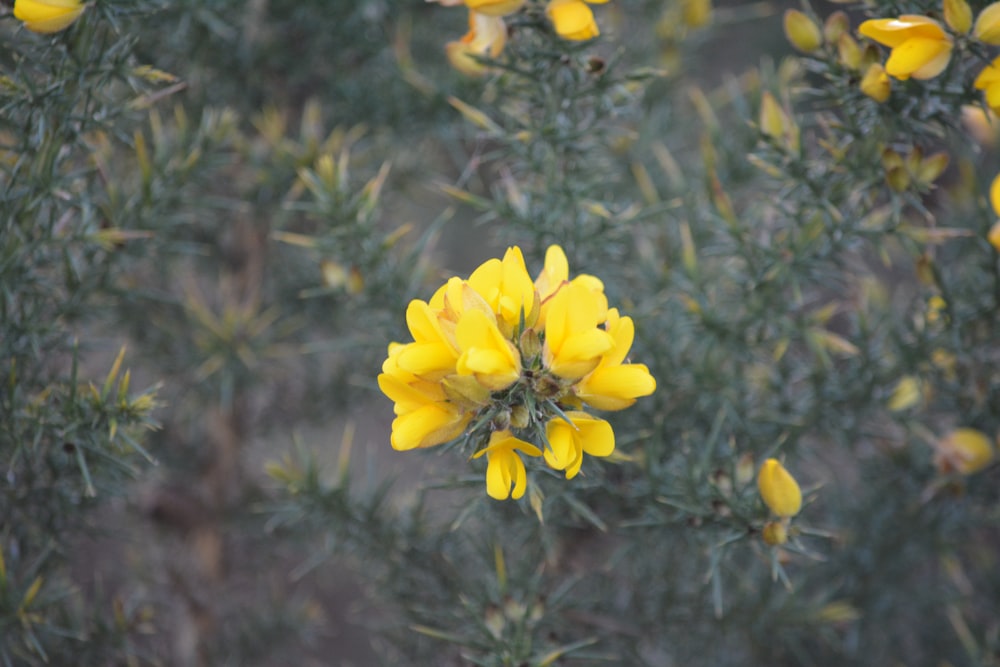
689,314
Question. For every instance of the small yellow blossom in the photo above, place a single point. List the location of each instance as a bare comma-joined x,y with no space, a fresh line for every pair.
964,450
614,385
849,52
958,16
504,466
47,16
802,31
987,28
989,82
778,489
569,442
487,37
920,47
573,342
876,84
573,19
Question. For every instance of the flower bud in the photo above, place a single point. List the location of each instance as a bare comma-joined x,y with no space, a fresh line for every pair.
909,392
849,52
775,533
994,236
836,24
778,489
995,194
776,124
958,16
697,13
875,83
964,450
987,28
802,32
48,16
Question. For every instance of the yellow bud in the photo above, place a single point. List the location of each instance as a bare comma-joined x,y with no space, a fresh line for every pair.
836,24
802,32
994,236
778,125
849,52
908,393
987,28
778,489
48,16
931,167
995,194
964,450
875,83
958,15
744,469
697,13
775,533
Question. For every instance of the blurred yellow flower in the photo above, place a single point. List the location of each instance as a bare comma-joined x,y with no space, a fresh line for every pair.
958,15
995,194
964,450
573,19
989,82
494,7
920,47
778,489
47,16
487,37
875,83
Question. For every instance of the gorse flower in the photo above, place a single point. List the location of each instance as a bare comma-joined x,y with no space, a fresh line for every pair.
487,36
47,16
989,82
573,19
778,489
920,46
512,363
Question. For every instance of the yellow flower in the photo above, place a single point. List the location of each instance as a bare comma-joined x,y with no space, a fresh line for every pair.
987,28
504,466
875,83
434,352
573,19
494,7
569,442
614,385
989,81
778,489
920,47
507,288
486,354
487,36
993,236
47,16
964,450
573,342
801,31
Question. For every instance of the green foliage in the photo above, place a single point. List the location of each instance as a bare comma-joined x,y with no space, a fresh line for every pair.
214,215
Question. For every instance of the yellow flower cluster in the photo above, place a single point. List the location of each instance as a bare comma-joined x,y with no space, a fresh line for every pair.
47,16
502,354
921,48
487,35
